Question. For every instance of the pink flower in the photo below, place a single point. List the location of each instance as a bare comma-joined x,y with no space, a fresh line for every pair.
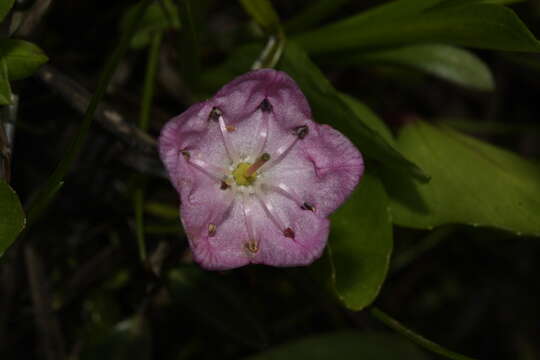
257,177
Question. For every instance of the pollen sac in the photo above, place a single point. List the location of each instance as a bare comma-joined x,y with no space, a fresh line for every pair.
257,168
301,131
288,232
186,154
223,185
307,206
212,228
266,106
252,246
215,114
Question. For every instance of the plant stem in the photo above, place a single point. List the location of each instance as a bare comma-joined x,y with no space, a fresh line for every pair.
144,122
414,337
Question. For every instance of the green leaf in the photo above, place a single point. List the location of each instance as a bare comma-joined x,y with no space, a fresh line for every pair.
447,62
158,16
12,218
345,345
22,57
369,118
472,183
329,107
361,244
5,6
262,12
5,88
481,25
197,291
313,13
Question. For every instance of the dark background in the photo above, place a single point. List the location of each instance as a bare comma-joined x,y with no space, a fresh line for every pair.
74,283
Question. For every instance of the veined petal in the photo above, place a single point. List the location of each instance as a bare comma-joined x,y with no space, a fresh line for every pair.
323,169
225,247
304,243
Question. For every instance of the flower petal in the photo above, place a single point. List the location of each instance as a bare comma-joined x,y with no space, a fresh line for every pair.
302,240
323,169
225,248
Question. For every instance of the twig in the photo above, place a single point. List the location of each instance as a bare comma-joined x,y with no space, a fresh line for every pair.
33,18
79,98
46,323
8,116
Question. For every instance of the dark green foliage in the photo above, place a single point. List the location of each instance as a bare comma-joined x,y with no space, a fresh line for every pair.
441,232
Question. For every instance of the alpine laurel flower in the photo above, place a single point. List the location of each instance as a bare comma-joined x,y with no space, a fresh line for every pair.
257,177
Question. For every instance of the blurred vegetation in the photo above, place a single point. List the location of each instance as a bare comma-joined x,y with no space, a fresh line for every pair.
441,96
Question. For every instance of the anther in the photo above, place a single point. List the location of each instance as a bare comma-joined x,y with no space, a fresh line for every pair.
215,114
288,232
230,128
265,106
257,164
307,206
212,230
223,185
252,246
186,154
301,131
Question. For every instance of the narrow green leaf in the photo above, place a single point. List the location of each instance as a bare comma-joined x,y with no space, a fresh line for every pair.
472,183
329,107
467,2
480,25
361,244
369,118
5,88
447,62
313,13
416,338
12,219
5,6
22,57
344,345
158,17
388,12
262,12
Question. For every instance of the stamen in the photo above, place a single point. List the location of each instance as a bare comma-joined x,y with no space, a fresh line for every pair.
288,232
252,246
262,131
186,154
212,171
231,128
212,230
248,210
215,114
257,164
285,191
307,206
270,212
227,140
224,185
300,133
266,106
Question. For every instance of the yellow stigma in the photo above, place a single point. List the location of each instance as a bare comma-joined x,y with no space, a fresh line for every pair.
246,173
241,175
